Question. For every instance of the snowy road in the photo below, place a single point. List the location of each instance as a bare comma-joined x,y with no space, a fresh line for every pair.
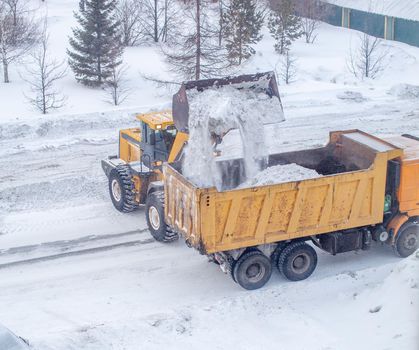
109,286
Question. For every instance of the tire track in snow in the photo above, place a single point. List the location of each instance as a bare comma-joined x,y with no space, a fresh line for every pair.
72,247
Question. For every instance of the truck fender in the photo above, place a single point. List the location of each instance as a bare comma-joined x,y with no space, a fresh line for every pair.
111,163
394,226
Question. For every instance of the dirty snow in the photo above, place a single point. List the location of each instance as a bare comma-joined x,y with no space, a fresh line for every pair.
279,174
218,110
405,91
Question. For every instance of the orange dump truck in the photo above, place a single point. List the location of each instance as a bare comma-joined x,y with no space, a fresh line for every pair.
368,190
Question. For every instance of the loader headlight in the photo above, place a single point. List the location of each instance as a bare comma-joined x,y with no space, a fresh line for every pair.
158,126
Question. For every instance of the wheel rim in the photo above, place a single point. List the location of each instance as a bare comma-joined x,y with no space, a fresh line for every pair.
255,272
116,190
300,263
411,241
154,218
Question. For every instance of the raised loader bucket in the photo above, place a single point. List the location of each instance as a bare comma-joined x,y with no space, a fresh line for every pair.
260,82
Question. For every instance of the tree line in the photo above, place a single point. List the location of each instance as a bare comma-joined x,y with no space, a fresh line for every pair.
198,38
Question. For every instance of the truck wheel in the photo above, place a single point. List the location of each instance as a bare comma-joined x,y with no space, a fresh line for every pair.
407,240
121,189
252,270
154,212
297,261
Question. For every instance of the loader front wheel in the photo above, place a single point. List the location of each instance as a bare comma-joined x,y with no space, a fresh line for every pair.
252,270
297,261
154,211
121,189
407,240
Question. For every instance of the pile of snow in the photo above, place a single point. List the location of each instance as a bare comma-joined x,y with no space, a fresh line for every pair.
351,96
279,174
405,91
9,341
215,112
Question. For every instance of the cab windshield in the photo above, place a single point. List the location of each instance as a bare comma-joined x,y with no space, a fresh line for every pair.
165,138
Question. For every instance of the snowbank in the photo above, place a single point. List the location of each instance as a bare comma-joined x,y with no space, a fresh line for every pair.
405,91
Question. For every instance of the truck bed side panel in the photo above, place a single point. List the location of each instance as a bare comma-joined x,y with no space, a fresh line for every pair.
217,221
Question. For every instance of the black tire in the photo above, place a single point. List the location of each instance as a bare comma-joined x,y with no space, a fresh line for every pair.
297,261
407,240
277,252
252,270
154,212
121,189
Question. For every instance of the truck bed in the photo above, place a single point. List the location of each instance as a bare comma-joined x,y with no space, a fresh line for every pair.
346,196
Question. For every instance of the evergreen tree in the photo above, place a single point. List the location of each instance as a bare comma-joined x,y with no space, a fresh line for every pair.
242,25
284,25
96,48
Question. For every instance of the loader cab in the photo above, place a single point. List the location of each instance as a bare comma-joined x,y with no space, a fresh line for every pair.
158,134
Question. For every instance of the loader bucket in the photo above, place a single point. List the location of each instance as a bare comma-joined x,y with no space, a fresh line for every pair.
260,82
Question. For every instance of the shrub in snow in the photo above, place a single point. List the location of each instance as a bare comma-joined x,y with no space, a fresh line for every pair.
95,46
286,68
116,86
43,73
367,59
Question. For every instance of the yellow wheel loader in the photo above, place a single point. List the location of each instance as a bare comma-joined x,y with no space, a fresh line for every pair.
135,174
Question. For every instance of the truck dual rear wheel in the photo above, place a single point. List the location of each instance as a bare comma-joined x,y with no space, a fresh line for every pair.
407,240
121,189
297,261
252,270
154,210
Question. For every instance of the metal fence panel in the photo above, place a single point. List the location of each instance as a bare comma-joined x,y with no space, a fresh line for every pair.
334,14
369,23
406,31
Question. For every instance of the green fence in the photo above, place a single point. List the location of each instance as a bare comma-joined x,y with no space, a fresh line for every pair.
369,23
404,30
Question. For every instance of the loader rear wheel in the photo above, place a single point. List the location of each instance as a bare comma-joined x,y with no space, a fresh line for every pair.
121,189
154,211
407,240
297,261
252,270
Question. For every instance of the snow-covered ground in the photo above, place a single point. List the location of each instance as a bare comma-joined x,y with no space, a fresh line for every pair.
77,274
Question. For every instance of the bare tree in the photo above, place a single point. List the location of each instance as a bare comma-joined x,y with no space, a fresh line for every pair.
16,8
312,12
159,18
116,86
194,51
286,68
130,16
17,36
368,59
43,73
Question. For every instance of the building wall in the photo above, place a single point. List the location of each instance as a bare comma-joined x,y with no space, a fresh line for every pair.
398,29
